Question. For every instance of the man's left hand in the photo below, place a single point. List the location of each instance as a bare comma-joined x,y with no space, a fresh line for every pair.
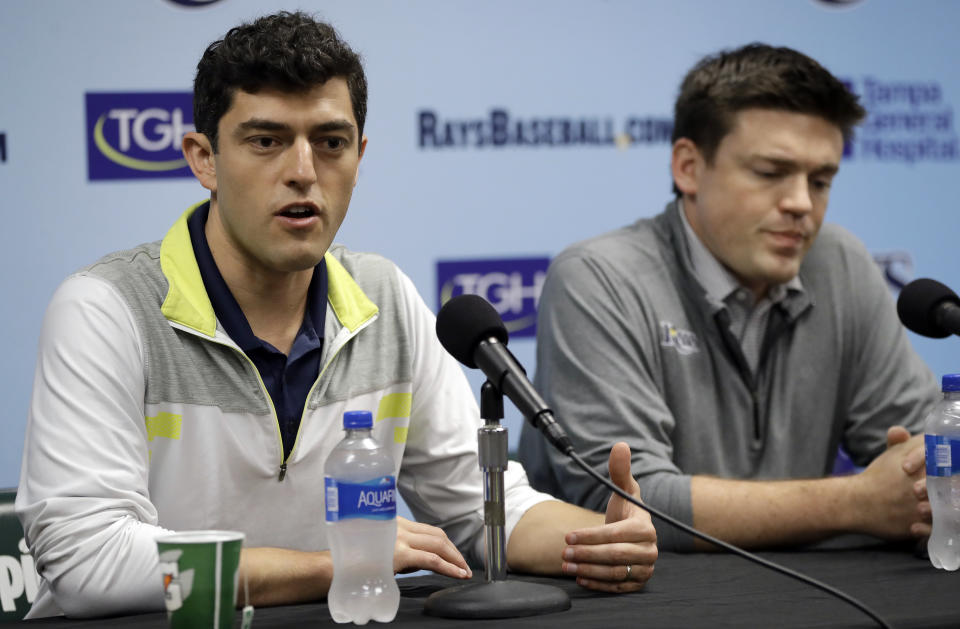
914,466
617,556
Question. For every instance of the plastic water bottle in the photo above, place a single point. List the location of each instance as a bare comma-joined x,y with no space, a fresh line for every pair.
942,441
361,525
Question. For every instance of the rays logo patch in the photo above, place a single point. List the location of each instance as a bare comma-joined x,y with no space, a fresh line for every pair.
684,341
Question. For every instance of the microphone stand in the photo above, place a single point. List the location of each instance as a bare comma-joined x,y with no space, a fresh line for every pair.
495,597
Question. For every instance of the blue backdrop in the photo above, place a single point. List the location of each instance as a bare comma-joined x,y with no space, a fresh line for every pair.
499,131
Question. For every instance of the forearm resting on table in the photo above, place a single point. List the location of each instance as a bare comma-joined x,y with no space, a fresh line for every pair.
538,540
279,576
758,514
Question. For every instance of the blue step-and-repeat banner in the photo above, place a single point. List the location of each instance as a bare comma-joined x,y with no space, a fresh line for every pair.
500,132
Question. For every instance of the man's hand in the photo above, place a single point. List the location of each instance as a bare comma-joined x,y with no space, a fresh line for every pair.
895,492
617,556
424,547
915,466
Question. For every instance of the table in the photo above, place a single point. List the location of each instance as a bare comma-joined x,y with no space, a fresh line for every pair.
689,591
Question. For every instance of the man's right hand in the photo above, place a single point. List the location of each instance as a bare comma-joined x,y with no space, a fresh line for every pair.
280,576
886,500
424,547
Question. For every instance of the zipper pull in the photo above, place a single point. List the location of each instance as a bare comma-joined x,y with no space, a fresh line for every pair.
283,471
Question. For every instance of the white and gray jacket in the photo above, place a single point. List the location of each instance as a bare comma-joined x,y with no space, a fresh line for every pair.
146,416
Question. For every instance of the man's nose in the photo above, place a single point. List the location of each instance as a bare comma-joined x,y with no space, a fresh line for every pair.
797,198
301,166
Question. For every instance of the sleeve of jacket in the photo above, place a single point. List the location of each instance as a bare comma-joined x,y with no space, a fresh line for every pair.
597,368
83,498
440,476
889,382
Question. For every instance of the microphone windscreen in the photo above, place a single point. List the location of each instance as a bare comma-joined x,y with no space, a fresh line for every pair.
465,321
917,306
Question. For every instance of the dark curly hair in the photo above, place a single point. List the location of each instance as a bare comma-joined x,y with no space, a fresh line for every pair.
286,51
761,76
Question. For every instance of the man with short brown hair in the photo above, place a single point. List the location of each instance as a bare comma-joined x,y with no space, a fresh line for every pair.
732,342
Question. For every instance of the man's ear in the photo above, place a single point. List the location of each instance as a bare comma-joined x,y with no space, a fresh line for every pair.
686,165
199,154
363,148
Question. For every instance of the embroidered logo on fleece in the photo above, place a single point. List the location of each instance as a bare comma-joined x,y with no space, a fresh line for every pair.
685,341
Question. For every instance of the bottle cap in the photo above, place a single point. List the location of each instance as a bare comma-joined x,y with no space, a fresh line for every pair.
364,419
951,382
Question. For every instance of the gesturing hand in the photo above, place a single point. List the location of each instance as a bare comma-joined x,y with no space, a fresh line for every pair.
424,547
619,555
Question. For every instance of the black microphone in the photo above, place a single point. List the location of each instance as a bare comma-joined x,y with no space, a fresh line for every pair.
470,329
929,308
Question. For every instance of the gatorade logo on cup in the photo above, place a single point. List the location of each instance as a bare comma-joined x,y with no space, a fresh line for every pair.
176,585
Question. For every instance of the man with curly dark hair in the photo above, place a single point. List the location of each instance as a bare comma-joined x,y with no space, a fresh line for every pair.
199,382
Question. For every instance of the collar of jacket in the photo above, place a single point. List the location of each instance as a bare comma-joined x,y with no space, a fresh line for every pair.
187,302
794,305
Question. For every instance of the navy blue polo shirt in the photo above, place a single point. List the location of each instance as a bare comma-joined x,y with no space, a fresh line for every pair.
287,378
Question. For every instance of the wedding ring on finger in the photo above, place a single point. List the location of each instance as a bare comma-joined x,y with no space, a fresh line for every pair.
629,570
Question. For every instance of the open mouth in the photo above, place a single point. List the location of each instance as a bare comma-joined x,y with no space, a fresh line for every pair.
298,211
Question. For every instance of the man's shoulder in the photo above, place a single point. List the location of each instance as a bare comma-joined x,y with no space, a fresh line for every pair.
126,264
638,249
834,235
380,279
361,261
134,274
633,239
366,268
123,281
836,249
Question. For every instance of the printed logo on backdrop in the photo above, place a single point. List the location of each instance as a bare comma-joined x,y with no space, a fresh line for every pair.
499,129
896,266
838,4
512,286
194,3
907,122
137,135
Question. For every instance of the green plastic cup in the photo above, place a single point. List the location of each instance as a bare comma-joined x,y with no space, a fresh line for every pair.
199,571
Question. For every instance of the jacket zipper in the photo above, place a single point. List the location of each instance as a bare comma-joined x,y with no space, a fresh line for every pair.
263,388
743,370
283,464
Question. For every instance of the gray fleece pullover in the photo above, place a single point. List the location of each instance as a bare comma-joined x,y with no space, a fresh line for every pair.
629,348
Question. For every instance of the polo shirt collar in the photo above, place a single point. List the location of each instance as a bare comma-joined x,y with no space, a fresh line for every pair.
717,281
224,304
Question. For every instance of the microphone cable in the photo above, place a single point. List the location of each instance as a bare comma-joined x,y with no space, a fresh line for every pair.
820,585
467,323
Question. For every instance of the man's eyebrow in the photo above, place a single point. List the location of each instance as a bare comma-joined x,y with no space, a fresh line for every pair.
264,124
826,168
334,125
